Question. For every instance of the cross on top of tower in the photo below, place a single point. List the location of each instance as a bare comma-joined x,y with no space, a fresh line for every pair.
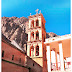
36,11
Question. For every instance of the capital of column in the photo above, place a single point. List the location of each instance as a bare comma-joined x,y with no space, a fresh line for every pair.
59,41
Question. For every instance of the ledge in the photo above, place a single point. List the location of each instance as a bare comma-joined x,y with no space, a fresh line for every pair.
35,27
14,63
34,41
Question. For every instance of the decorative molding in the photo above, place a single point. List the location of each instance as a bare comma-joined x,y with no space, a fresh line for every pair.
14,63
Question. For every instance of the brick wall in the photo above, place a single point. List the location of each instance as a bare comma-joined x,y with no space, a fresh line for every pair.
18,62
8,67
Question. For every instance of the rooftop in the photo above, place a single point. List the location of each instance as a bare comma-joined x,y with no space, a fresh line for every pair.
58,38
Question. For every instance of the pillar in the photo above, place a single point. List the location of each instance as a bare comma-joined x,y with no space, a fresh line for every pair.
28,49
61,57
48,59
40,34
56,60
64,63
39,21
29,23
34,51
29,35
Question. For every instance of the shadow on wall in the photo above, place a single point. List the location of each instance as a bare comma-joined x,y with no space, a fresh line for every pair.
34,67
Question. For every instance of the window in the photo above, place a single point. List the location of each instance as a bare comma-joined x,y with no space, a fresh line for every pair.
37,51
33,64
37,35
27,37
20,60
12,57
32,36
3,53
37,22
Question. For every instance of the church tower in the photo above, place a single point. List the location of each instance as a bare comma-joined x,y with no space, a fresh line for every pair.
36,38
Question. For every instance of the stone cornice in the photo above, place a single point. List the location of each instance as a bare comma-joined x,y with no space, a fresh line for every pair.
59,39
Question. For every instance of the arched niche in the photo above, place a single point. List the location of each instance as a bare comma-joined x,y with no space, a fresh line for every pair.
37,35
37,22
32,35
37,50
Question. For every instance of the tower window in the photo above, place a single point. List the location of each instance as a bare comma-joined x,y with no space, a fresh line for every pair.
37,35
37,22
20,60
27,37
12,57
3,53
37,51
32,35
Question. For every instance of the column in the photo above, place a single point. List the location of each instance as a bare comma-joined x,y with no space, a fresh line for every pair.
39,21
40,50
29,23
34,51
29,36
56,60
48,59
28,49
64,63
40,34
61,57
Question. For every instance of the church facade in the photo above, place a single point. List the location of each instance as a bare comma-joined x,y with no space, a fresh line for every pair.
39,47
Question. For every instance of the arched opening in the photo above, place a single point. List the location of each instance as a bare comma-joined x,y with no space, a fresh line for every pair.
37,22
32,51
32,23
37,50
27,37
37,35
32,36
54,36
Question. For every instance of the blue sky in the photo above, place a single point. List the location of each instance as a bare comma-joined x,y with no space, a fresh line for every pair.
55,12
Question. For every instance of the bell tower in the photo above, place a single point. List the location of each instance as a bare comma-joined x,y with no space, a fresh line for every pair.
36,38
